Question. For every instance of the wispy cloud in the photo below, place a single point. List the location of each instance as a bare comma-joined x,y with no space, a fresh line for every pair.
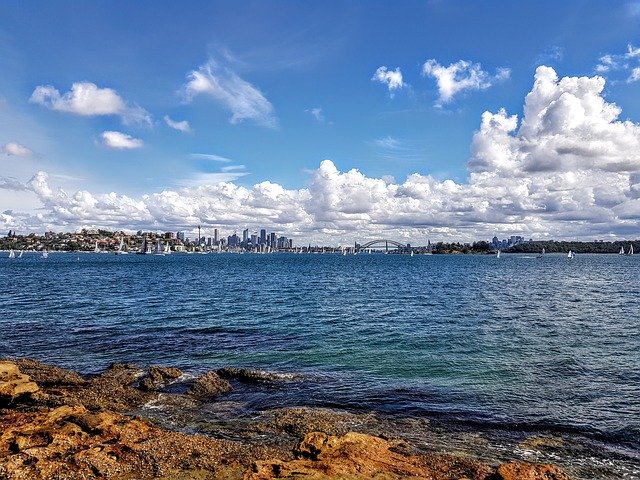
87,99
10,183
210,156
204,179
387,142
460,76
120,141
317,114
15,149
628,61
182,126
391,78
392,148
551,54
230,168
241,98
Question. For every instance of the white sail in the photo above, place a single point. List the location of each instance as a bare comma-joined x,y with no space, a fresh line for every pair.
20,256
97,248
498,254
167,249
12,254
543,251
570,255
630,249
158,250
621,252
121,250
45,254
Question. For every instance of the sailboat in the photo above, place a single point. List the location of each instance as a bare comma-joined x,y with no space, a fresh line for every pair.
158,250
412,253
498,254
630,252
121,250
621,252
541,253
12,254
97,248
20,256
45,254
167,249
570,255
143,247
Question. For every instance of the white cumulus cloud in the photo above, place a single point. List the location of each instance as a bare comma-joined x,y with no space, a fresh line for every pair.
120,141
181,126
460,76
15,149
241,98
569,168
391,78
87,99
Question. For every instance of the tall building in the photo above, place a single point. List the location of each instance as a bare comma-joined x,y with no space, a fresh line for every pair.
263,237
180,236
215,236
272,240
245,237
254,239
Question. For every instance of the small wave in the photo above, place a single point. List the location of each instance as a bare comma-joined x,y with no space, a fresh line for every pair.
253,376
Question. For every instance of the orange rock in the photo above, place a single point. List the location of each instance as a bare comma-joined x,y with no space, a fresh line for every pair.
530,471
13,383
357,456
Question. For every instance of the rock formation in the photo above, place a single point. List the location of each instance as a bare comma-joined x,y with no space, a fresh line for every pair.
55,424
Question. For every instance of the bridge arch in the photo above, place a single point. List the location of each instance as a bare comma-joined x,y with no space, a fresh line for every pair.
383,241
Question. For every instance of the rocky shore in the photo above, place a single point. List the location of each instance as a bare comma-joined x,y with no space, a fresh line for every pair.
56,424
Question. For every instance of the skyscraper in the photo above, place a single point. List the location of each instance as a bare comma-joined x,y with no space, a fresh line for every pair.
263,237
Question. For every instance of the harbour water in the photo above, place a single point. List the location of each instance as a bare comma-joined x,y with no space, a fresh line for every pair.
513,348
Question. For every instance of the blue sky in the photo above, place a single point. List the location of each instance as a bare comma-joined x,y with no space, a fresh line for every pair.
268,90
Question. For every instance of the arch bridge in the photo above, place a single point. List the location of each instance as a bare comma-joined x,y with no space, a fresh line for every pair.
386,243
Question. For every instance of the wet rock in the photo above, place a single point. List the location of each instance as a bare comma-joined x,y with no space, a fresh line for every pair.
247,375
209,385
300,421
14,385
530,471
157,378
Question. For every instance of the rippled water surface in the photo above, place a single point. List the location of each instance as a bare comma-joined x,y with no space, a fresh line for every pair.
516,342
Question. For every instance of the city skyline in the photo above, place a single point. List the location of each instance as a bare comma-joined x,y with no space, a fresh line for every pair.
330,122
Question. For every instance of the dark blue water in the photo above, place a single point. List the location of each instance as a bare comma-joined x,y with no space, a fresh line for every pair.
516,341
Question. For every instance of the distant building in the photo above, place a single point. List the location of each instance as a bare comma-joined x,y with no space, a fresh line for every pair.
233,241
263,237
215,236
180,236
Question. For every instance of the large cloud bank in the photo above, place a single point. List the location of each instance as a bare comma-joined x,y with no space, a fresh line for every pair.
568,169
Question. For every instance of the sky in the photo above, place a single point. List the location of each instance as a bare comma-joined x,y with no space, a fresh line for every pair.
328,122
